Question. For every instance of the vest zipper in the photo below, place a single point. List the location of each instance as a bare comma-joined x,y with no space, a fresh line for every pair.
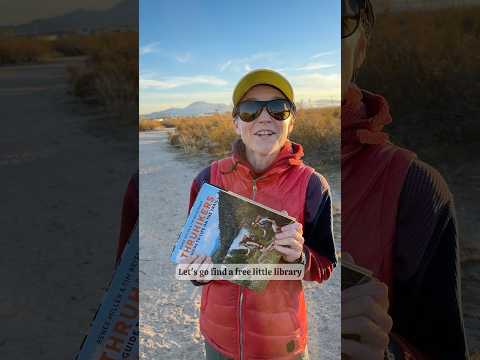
254,185
254,182
241,324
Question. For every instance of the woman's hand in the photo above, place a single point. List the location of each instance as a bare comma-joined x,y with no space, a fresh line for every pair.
195,262
289,242
366,324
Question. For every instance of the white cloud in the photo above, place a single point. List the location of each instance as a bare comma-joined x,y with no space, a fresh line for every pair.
225,65
154,48
248,67
322,54
239,64
149,48
183,58
314,66
177,81
316,86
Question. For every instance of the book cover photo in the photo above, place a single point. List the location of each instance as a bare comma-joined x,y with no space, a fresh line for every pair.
231,229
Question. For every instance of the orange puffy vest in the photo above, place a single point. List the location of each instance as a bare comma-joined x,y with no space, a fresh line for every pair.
272,324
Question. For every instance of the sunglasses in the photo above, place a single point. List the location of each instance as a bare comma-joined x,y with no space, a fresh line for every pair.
249,110
352,12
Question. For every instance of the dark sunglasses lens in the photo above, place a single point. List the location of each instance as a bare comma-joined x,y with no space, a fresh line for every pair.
349,25
280,109
248,110
351,7
350,16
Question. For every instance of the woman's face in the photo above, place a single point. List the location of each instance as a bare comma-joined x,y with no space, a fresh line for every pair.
264,136
353,55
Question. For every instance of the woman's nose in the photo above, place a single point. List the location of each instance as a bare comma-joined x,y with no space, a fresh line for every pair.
264,116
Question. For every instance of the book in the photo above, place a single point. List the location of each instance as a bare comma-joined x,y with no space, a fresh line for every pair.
353,274
231,229
114,331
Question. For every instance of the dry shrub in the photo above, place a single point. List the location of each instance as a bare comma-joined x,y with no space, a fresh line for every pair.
76,45
434,53
318,130
212,133
109,76
21,50
147,125
427,65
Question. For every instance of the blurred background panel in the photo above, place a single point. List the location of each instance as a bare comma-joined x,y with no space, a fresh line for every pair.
68,148
424,58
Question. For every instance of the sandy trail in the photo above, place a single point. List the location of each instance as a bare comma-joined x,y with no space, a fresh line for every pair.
170,308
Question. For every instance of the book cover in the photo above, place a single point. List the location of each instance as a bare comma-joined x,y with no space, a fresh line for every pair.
114,332
231,229
353,274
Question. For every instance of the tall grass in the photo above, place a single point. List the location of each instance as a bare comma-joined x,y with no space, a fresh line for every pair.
318,130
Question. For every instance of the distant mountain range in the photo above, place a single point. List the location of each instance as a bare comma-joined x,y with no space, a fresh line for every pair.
194,109
122,15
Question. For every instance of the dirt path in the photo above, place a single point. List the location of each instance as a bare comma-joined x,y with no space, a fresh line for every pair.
61,200
170,308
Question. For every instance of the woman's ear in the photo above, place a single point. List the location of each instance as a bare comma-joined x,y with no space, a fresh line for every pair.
290,126
360,50
236,126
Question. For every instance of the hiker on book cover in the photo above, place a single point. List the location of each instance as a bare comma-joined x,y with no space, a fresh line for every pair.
265,166
398,221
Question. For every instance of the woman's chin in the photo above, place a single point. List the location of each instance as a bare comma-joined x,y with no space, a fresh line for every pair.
266,148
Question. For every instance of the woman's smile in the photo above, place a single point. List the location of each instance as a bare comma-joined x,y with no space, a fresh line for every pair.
264,133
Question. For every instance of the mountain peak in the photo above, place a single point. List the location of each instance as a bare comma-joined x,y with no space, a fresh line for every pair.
196,108
122,15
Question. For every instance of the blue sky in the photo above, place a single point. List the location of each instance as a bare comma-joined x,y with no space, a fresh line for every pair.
198,50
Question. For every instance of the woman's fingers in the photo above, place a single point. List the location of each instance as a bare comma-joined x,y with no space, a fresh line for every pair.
294,227
292,231
290,242
188,259
201,259
195,262
357,351
369,308
288,251
364,315
369,333
374,288
347,257
290,235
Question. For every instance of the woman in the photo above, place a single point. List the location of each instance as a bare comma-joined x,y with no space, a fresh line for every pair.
398,220
265,166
